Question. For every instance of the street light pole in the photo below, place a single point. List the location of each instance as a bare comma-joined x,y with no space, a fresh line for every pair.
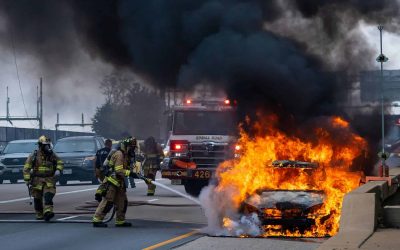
382,99
381,59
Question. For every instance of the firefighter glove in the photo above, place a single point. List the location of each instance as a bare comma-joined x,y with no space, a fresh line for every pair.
134,175
147,180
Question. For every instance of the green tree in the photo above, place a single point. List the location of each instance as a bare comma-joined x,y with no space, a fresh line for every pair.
130,108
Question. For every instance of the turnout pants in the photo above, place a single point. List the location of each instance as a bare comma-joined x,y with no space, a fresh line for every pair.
43,188
151,174
102,189
114,196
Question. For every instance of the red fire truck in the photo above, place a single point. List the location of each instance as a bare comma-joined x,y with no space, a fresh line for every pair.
202,135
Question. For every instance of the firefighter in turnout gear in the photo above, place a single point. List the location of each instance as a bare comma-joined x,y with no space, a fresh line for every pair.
153,154
115,185
101,169
41,170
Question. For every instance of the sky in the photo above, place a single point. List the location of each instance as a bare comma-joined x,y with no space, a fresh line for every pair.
72,95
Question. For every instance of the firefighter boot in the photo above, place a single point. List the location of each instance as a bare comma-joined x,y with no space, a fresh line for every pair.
39,216
151,189
48,215
48,206
38,204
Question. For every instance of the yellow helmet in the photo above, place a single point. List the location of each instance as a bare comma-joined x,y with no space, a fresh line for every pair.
44,140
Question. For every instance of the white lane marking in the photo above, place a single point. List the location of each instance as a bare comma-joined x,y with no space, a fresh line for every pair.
69,217
152,200
62,193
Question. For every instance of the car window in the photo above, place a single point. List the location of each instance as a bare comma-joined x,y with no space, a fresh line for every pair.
70,146
20,147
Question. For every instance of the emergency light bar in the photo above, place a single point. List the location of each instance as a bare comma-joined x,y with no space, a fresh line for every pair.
226,102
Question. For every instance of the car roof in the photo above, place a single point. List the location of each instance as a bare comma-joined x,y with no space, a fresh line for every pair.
24,141
83,137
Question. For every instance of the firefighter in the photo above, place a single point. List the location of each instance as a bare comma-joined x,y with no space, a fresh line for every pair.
100,170
101,156
116,188
153,154
41,170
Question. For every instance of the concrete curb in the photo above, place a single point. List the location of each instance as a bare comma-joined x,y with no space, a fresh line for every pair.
361,212
356,225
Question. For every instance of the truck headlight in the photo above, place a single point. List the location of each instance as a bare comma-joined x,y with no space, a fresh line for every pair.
88,161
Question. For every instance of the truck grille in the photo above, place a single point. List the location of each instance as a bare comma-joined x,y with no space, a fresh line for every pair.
14,161
69,162
209,154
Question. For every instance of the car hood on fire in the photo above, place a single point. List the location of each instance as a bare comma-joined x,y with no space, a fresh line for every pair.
286,199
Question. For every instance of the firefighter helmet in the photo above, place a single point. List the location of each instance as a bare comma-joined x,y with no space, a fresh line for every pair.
128,142
44,140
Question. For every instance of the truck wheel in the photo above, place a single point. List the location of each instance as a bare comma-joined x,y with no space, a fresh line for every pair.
194,187
1,181
63,182
13,180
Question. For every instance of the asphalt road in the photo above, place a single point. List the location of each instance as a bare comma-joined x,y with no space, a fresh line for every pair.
164,221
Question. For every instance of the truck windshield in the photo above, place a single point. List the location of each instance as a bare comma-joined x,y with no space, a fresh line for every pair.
204,123
70,146
20,147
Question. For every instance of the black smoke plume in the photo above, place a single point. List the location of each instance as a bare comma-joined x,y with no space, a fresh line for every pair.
228,43
268,55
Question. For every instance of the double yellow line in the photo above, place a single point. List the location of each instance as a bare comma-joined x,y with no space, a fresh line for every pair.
183,236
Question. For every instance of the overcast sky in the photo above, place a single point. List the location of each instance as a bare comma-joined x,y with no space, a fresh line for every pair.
72,95
75,93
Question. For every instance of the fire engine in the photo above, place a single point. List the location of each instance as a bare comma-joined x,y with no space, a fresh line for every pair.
202,134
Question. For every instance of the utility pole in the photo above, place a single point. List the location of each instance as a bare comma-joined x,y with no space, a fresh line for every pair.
381,59
41,107
8,104
38,117
58,124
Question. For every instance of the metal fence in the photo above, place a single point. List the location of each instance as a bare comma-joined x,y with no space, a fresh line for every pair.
9,134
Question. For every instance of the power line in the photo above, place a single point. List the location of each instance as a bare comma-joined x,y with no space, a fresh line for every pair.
19,81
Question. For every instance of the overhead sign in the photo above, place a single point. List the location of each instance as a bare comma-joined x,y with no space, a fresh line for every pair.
370,84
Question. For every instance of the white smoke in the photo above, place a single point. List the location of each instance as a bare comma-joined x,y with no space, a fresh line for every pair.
217,205
224,219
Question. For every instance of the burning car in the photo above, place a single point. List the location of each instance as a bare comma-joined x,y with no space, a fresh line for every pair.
284,209
259,195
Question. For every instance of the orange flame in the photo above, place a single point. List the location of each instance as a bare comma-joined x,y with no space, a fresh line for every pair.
333,148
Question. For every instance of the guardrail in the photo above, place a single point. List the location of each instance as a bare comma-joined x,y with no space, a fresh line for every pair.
363,210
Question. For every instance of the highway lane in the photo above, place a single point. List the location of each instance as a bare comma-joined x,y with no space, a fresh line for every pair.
162,221
159,221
